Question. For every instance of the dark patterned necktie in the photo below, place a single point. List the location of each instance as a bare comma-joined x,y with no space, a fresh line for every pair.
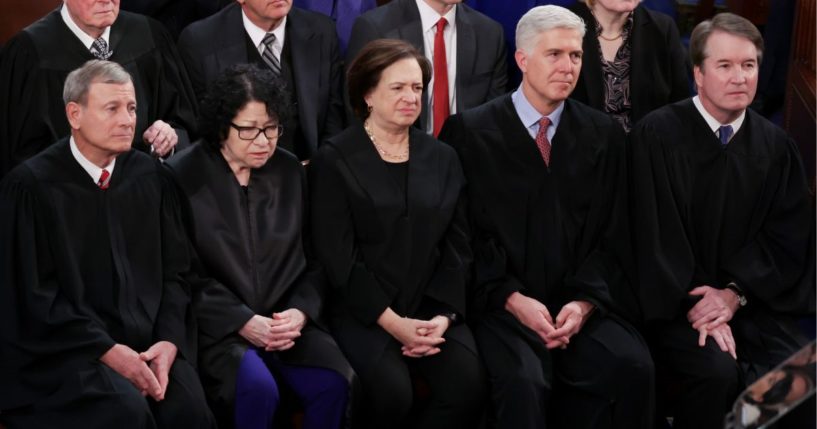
100,49
724,134
269,56
542,141
104,180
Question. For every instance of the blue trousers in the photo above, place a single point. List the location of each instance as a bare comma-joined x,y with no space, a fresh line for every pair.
323,393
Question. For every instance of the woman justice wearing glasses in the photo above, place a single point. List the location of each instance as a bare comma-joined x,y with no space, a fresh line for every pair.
259,296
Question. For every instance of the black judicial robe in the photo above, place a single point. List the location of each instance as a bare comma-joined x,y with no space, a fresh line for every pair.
555,234
384,248
83,269
38,59
252,253
707,215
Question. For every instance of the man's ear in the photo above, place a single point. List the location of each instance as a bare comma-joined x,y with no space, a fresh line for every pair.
521,58
74,113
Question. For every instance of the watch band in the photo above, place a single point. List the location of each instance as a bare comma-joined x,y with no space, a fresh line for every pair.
739,292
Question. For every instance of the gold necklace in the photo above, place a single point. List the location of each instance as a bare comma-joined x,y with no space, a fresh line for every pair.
403,156
611,39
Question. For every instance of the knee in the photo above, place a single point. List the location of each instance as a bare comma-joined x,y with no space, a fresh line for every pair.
720,370
259,388
332,387
133,408
521,387
634,369
391,399
466,384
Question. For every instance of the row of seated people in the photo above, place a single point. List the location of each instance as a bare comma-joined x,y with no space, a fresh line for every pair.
624,42
575,272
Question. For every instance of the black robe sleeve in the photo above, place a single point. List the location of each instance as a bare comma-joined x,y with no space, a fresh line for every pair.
23,130
777,264
37,317
174,320
307,294
336,245
446,290
493,282
664,255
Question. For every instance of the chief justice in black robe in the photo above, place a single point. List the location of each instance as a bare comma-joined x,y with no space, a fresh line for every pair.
548,211
37,60
93,305
246,214
723,230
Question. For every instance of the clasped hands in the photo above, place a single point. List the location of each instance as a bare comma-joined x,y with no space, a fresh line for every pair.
420,338
711,314
148,371
554,333
276,333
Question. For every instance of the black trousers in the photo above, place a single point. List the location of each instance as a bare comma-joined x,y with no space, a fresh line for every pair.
98,397
704,381
455,378
603,379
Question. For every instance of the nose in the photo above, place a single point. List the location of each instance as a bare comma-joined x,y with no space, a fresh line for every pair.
409,95
565,64
261,139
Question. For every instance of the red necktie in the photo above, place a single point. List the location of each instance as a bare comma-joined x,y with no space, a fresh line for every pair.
104,180
440,99
542,141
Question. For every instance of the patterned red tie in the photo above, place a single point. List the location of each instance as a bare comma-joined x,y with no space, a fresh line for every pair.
104,180
440,99
542,141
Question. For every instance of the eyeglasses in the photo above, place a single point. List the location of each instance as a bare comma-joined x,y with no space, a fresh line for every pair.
271,132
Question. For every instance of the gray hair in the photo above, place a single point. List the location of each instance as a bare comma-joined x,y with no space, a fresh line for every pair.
94,71
543,18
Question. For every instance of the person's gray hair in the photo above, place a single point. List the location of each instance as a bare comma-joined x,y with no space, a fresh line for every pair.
543,18
79,81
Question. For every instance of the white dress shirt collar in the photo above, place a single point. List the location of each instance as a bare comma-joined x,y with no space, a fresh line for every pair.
429,16
91,168
530,116
257,34
713,123
86,40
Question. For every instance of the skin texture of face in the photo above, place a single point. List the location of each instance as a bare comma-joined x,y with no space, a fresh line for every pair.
395,100
616,6
248,154
727,79
551,69
93,16
104,126
266,14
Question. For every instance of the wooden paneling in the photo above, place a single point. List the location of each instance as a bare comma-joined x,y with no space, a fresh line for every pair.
799,116
18,14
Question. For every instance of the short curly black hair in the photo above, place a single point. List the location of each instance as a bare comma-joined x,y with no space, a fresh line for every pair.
231,91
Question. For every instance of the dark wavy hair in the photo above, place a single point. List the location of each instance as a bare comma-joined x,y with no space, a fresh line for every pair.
367,67
231,91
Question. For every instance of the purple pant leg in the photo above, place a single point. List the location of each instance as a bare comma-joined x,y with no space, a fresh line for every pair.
323,393
256,393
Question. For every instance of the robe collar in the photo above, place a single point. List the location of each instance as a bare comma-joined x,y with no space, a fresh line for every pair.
83,37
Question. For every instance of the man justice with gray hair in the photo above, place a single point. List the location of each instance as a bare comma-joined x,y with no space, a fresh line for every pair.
547,194
38,58
93,309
